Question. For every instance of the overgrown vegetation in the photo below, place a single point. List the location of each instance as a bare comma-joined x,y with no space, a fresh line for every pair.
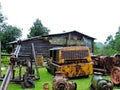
5,60
110,47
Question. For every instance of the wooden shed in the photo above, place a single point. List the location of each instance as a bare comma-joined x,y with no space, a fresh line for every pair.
44,43
73,38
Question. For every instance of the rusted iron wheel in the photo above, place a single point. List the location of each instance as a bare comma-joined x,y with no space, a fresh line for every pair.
115,75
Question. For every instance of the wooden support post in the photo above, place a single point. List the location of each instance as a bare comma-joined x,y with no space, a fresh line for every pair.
0,59
35,61
20,71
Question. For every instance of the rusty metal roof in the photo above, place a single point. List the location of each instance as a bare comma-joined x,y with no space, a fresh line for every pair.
50,35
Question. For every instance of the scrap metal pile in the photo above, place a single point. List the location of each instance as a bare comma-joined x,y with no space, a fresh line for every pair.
104,64
64,63
108,65
17,64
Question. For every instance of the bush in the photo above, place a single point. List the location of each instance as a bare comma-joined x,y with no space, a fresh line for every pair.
5,60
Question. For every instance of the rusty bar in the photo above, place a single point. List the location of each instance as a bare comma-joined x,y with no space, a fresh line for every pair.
6,79
100,70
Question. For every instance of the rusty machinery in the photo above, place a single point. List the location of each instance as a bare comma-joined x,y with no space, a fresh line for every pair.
115,72
74,61
60,82
110,64
25,78
103,64
99,83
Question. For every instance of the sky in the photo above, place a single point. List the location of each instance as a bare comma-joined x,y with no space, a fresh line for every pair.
95,18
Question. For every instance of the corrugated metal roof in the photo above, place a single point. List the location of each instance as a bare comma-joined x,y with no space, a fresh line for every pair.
68,33
50,35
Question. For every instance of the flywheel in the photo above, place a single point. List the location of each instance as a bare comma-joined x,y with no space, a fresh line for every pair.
115,75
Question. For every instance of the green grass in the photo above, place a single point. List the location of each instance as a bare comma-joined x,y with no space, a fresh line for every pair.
45,77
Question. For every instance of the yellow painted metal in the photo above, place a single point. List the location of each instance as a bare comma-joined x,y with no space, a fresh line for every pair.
76,70
74,66
73,48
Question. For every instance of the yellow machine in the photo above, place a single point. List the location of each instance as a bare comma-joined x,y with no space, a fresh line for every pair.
74,61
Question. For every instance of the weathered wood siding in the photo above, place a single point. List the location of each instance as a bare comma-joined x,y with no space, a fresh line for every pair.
42,47
44,43
73,39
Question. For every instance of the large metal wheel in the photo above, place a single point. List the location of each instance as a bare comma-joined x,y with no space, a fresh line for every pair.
115,75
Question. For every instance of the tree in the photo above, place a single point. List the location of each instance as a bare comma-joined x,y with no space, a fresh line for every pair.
112,45
109,39
108,48
10,33
2,23
117,41
38,29
96,49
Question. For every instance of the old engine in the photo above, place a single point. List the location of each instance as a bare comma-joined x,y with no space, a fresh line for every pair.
99,83
60,82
